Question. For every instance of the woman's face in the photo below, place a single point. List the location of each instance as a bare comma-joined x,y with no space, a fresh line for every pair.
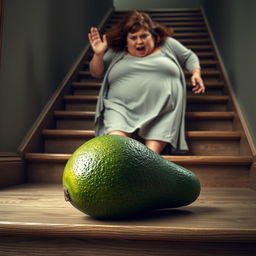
140,43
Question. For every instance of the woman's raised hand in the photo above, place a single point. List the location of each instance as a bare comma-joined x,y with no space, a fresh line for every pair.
98,45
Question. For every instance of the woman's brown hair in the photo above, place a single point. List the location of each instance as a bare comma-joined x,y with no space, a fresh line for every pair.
131,23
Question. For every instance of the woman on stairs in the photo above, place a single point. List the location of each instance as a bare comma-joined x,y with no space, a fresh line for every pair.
144,88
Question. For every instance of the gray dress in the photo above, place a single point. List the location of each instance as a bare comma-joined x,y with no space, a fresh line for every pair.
145,94
152,99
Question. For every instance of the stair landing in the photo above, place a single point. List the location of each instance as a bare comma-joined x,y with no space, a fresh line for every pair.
34,215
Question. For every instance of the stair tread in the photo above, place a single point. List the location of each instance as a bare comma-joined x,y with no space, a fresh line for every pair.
195,40
154,14
191,34
67,133
208,99
167,20
208,83
192,46
190,97
57,218
203,72
202,28
73,114
184,24
182,159
191,115
225,135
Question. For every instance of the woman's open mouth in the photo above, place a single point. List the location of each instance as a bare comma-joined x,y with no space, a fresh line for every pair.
141,48
141,51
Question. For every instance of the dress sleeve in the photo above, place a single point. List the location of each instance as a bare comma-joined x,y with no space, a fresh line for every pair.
187,58
107,58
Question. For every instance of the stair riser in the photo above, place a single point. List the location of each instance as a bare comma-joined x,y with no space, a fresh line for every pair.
204,76
203,66
191,125
72,124
208,91
86,91
95,91
197,28
190,107
165,18
209,125
81,106
209,175
194,107
197,147
204,56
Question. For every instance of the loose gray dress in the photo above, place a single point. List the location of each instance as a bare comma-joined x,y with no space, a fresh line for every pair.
147,93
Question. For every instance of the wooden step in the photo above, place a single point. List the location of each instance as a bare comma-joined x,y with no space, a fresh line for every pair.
79,120
154,15
184,24
202,55
170,20
80,102
210,169
200,142
213,87
205,72
208,99
46,223
180,24
195,41
206,64
177,26
163,16
61,114
200,48
195,98
180,160
188,29
191,35
210,84
194,103
76,120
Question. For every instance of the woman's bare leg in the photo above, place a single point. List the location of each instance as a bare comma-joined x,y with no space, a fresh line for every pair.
155,145
119,133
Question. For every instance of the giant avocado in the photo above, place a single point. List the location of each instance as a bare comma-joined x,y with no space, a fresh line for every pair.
115,177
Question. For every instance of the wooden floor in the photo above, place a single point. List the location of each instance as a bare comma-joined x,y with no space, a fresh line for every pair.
227,213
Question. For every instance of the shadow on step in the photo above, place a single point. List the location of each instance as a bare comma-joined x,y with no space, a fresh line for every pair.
185,214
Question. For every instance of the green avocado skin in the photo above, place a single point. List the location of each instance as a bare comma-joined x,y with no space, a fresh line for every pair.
116,177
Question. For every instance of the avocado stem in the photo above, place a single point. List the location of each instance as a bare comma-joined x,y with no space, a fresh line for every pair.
66,195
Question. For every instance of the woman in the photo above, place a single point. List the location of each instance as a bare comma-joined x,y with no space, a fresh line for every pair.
144,86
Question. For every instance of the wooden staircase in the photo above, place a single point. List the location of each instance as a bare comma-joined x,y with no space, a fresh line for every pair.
221,154
213,129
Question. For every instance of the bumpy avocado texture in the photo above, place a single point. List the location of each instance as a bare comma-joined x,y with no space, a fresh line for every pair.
116,177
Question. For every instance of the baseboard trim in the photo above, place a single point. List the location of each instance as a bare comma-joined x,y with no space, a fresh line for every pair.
12,170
